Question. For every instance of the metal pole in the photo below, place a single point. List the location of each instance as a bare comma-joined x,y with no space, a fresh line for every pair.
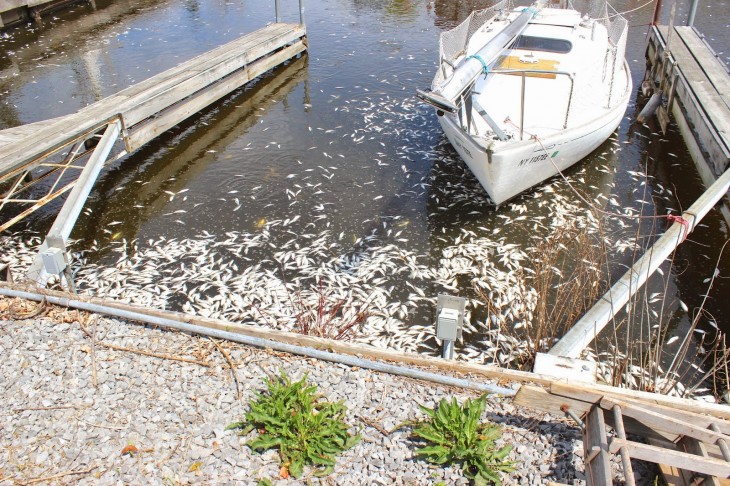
70,211
447,350
522,107
625,457
301,12
692,13
179,325
657,12
66,219
588,327
276,6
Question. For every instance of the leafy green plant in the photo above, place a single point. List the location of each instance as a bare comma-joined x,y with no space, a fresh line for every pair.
290,416
454,434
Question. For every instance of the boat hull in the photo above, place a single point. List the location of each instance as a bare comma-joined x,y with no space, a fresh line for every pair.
507,169
553,95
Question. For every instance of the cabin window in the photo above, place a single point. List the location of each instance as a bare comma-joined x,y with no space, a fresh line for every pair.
531,43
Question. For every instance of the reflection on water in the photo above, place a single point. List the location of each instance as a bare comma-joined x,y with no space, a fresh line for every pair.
334,142
139,189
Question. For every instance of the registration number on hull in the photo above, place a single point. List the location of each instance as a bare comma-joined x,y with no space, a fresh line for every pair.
537,158
533,160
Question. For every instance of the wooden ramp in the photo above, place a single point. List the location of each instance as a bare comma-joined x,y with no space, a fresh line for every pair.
689,71
32,154
689,445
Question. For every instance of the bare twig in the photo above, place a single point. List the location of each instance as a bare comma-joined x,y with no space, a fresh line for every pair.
59,407
60,475
172,453
230,363
91,336
40,308
155,355
373,425
110,427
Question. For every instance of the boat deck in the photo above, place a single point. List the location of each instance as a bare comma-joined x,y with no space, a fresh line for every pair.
546,91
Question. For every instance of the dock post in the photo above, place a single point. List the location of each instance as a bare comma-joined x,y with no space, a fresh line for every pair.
447,350
278,11
692,13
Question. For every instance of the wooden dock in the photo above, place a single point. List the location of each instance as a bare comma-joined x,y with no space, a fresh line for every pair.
38,160
153,106
685,72
18,11
696,85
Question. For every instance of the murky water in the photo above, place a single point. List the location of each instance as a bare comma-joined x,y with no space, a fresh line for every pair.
335,143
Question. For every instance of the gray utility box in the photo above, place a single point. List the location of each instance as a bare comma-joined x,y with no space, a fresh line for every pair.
449,317
54,260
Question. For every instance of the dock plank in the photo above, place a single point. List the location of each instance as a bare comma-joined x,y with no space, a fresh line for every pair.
15,134
712,104
202,77
24,146
713,68
189,68
180,112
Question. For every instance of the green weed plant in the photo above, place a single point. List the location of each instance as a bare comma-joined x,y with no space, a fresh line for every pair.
292,417
454,434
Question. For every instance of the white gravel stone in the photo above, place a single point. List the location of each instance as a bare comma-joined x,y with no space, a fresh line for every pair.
55,421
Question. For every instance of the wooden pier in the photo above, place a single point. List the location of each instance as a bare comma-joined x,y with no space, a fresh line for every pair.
39,161
14,12
696,85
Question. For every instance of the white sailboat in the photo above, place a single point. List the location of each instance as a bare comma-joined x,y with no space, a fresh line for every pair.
524,92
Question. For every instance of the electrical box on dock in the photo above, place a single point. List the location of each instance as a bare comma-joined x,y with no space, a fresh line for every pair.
54,260
449,317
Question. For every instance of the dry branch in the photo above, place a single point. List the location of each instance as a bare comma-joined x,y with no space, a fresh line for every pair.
155,355
230,363
57,476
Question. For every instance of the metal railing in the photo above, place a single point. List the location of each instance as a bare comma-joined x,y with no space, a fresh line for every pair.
524,73
278,11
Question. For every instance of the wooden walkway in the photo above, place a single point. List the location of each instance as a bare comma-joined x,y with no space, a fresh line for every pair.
42,161
690,444
142,111
162,96
688,70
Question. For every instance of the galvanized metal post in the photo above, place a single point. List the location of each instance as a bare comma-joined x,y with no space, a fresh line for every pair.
301,12
66,219
276,6
447,350
692,13
522,107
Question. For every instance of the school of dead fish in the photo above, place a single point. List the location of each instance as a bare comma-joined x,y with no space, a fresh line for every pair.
266,276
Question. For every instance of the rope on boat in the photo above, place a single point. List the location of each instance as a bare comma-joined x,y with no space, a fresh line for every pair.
485,68
671,218
622,13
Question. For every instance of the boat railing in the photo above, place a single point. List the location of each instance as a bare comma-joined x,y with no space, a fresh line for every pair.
526,72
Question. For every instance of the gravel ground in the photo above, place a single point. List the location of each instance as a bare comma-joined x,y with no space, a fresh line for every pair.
71,403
